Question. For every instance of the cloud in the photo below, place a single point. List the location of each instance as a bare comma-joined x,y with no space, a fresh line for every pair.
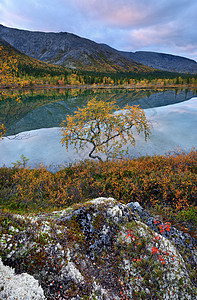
157,25
113,13
132,13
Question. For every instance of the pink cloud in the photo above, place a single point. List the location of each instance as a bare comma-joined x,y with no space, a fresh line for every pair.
115,13
154,34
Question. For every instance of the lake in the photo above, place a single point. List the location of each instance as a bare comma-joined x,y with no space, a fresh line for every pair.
36,121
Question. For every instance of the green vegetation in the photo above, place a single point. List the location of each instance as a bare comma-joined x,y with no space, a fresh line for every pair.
27,65
32,72
137,79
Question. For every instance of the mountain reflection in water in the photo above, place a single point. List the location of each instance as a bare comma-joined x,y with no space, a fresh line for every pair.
48,108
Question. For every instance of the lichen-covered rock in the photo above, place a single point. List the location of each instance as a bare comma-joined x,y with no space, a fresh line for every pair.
183,241
21,287
101,249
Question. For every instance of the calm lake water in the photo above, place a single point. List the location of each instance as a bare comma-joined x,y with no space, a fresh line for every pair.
173,115
47,108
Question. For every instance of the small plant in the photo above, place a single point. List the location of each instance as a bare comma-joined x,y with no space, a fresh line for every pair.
21,163
189,215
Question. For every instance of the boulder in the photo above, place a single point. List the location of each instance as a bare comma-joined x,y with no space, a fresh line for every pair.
100,249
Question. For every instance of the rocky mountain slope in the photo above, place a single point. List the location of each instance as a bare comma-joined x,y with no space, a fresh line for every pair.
166,62
100,249
72,51
69,50
27,64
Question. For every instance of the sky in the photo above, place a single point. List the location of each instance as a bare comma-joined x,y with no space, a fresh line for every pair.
167,26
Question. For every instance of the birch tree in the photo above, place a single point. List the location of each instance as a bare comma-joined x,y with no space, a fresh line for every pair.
103,129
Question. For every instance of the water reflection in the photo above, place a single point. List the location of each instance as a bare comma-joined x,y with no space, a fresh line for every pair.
46,108
174,127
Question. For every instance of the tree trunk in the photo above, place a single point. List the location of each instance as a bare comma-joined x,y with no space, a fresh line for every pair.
94,156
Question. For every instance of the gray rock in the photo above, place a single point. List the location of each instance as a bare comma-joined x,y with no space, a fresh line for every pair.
135,206
97,249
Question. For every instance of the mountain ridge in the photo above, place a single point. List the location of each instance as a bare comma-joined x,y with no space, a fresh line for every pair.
163,61
69,50
75,52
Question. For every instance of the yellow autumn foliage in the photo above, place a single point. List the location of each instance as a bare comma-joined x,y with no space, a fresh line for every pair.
98,125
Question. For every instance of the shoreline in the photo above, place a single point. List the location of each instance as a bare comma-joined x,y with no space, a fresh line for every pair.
127,87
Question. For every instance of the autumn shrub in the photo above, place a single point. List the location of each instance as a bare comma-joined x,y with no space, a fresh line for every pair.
165,180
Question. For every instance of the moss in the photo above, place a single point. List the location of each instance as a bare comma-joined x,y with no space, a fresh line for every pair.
98,221
190,214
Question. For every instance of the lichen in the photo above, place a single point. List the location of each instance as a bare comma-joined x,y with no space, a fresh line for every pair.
23,286
98,249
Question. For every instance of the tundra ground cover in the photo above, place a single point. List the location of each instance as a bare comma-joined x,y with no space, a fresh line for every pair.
165,181
123,258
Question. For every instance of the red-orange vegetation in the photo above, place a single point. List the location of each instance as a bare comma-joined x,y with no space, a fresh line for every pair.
165,180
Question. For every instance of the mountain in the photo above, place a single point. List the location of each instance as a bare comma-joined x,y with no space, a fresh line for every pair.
162,61
27,64
69,50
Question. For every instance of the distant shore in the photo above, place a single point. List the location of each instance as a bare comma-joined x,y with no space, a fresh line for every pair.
93,86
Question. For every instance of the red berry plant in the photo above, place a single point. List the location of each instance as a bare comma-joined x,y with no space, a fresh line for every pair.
153,267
